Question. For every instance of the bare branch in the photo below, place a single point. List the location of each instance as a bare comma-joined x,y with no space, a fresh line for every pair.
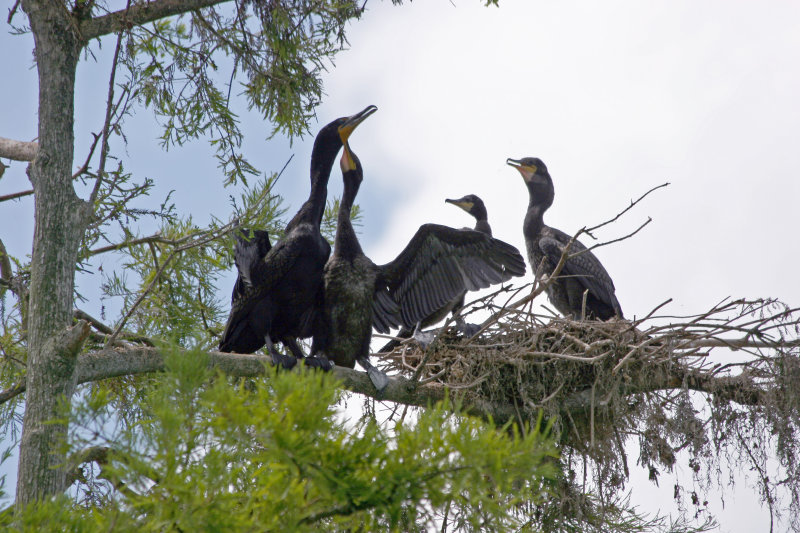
15,195
99,326
138,15
155,238
18,150
633,203
83,168
12,392
12,11
107,122
116,362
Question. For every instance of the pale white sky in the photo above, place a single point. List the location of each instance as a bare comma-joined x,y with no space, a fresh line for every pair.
614,96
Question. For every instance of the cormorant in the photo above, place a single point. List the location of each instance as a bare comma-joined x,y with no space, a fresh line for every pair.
473,205
282,297
582,272
245,239
437,265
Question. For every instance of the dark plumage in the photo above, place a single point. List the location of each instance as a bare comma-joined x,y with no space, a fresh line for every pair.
581,272
473,205
282,294
437,265
246,239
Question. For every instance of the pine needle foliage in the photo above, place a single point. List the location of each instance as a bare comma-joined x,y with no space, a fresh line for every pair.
277,454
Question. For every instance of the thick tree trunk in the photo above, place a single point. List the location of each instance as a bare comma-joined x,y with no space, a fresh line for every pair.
60,220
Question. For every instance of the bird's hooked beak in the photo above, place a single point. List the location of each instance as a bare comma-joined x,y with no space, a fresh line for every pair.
352,122
527,171
463,204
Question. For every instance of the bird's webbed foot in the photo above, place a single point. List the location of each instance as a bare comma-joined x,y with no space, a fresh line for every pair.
278,359
377,377
424,338
285,361
466,329
319,361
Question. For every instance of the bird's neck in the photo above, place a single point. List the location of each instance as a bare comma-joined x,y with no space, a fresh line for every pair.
312,210
482,225
534,221
346,243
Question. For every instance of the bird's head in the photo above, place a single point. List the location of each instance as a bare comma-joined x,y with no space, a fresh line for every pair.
349,163
534,172
332,136
346,126
471,204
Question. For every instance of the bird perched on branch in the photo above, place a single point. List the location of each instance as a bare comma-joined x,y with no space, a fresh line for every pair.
280,298
437,265
583,288
246,238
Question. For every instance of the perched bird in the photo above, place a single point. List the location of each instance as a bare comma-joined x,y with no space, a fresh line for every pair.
582,272
245,239
473,205
437,265
281,296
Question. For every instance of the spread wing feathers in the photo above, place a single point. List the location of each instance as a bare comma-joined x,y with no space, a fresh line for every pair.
250,248
585,268
439,264
385,311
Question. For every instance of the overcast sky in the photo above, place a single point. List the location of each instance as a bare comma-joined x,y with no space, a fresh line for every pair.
614,96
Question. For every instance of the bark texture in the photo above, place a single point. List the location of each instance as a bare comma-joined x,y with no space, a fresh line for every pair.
17,150
60,219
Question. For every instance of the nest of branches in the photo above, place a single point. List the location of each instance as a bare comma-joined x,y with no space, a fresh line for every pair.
717,384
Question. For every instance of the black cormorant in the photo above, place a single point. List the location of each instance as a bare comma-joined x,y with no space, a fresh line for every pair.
437,265
473,205
282,300
582,272
245,239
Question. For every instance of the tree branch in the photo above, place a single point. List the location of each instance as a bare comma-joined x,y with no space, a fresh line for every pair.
116,362
138,15
101,171
14,196
201,239
12,392
18,150
5,268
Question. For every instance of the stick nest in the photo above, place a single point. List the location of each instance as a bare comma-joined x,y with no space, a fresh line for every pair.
605,383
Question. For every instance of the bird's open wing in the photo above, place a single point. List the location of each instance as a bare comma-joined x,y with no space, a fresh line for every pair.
440,263
385,311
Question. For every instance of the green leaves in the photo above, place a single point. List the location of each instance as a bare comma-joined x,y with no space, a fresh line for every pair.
274,53
276,454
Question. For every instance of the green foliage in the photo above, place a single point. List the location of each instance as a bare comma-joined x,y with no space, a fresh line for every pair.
176,284
276,454
279,49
